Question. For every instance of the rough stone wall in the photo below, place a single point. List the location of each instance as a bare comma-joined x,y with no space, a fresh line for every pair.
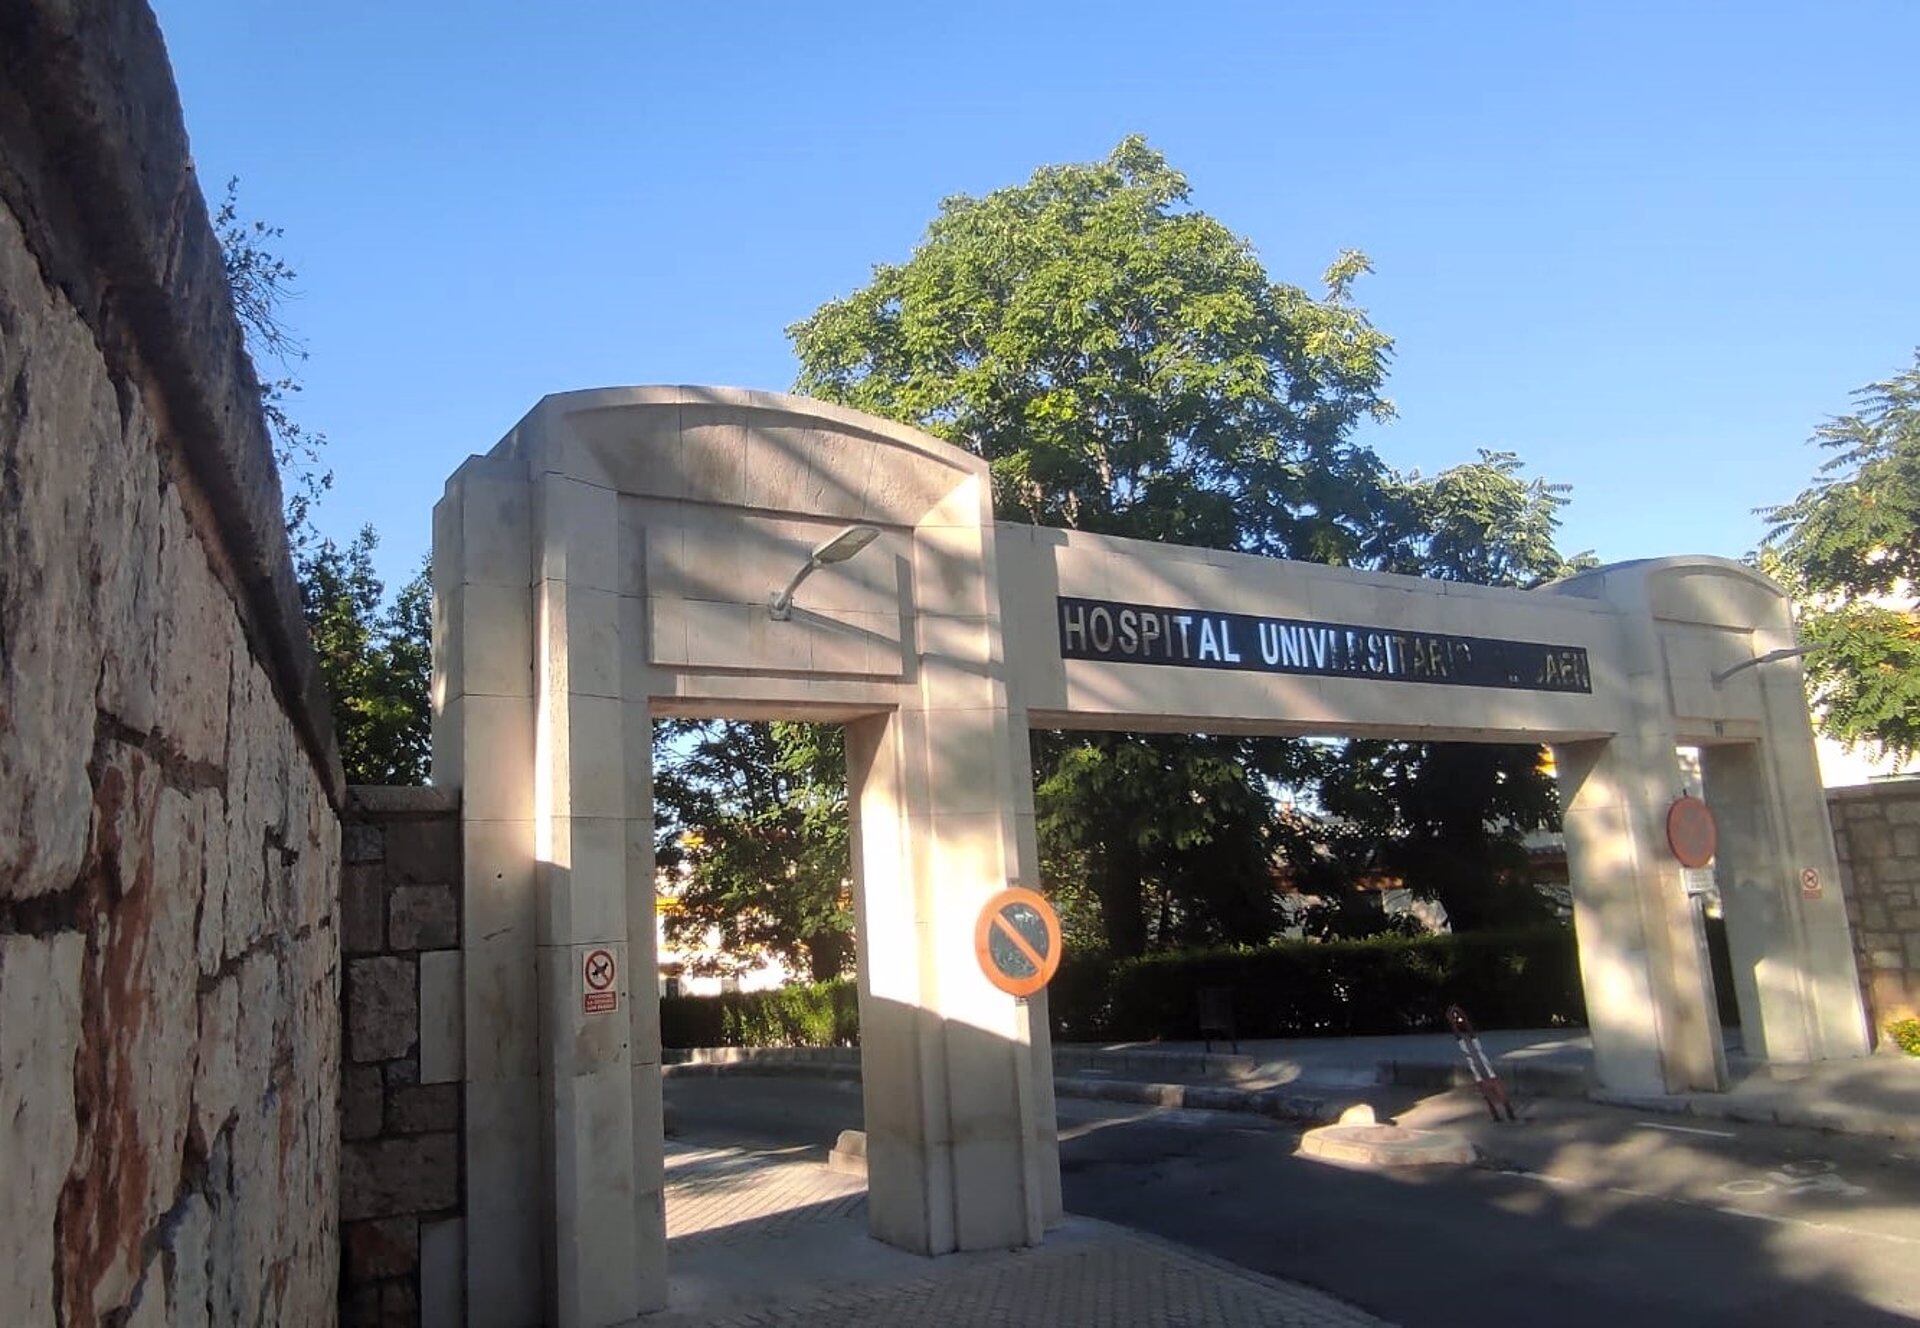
1876,828
400,1127
169,1017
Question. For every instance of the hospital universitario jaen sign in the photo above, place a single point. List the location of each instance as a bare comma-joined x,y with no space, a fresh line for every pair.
620,555
1150,634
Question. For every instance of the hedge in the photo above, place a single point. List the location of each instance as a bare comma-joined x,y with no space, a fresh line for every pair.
1527,979
820,1014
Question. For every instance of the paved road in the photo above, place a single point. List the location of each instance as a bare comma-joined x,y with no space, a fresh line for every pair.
1582,1215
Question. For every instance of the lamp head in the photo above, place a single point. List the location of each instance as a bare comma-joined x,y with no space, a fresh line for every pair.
844,545
836,550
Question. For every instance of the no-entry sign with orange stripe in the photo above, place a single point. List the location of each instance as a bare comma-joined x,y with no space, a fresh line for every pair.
1018,941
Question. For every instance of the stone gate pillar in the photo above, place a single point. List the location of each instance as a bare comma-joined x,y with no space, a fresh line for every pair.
1692,632
947,1061
610,560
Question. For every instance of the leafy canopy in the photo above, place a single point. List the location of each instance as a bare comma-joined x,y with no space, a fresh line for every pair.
1125,365
1449,819
376,657
751,820
1122,361
1848,547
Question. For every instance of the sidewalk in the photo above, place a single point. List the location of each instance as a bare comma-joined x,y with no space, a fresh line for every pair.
774,1238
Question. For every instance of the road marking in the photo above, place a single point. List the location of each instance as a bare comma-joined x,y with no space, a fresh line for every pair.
1833,1228
1813,1176
1686,1129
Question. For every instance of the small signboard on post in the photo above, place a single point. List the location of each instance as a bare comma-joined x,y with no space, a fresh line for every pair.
599,975
1810,887
1017,941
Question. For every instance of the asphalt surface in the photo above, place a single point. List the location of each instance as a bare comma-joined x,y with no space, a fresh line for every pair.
1578,1215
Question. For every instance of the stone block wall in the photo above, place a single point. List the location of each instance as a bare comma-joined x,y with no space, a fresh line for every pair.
169,960
1876,828
400,1121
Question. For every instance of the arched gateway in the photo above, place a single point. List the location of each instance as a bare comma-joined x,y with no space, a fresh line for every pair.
611,560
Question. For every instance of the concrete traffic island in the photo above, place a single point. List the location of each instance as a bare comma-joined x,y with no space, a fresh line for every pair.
849,1155
1358,1139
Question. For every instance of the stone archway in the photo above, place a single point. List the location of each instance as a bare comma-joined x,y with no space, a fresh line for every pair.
611,560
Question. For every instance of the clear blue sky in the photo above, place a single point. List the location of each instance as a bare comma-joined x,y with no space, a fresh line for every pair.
1648,247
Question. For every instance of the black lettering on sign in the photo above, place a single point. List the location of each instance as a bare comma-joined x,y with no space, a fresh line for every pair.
1116,633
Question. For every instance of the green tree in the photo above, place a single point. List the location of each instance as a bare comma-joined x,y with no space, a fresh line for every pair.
375,656
753,820
1449,819
1848,548
1123,362
1125,365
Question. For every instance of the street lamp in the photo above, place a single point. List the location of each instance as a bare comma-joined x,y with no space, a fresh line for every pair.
836,550
1771,657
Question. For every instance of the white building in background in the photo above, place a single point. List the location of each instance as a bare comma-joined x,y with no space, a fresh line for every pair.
706,969
1842,766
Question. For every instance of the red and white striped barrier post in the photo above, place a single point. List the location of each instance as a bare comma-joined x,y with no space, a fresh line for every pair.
1478,1062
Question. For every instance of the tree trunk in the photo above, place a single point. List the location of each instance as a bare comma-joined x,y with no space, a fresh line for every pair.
827,955
1122,900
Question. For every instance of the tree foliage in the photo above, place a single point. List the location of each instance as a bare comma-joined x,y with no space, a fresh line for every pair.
1848,548
1448,819
1125,365
752,819
1122,361
375,656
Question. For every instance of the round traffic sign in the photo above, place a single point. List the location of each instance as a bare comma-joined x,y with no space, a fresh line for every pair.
1691,832
1018,941
597,968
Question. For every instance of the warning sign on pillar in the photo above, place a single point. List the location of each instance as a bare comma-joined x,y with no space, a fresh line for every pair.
598,974
1810,883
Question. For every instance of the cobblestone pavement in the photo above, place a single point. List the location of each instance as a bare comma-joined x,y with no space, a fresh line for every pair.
761,1239
716,1194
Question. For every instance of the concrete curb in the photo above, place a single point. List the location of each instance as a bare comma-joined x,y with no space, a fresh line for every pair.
1534,1080
1270,1102
844,1063
1831,1120
1204,1064
1321,1103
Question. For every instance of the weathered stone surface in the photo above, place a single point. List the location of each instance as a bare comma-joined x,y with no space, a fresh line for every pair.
422,852
383,1015
169,979
59,429
363,906
380,1248
387,1177
1877,831
206,851
399,1306
415,1109
362,843
422,917
39,1035
362,1111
